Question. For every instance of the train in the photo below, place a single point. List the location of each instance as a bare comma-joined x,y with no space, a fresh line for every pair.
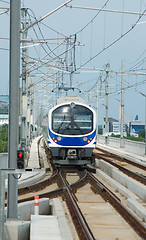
71,131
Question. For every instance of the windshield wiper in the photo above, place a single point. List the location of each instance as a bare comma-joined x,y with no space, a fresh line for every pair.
78,128
61,123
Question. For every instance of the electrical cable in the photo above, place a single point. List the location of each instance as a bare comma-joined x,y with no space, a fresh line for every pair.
92,18
5,49
41,31
36,32
137,64
4,1
111,44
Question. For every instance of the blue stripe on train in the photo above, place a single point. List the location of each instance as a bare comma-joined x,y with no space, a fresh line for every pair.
72,141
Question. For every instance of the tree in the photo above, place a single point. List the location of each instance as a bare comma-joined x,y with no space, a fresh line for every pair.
141,133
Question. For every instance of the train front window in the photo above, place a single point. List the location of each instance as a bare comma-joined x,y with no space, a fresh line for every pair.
77,120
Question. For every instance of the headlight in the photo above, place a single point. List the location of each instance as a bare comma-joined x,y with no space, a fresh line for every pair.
59,138
85,139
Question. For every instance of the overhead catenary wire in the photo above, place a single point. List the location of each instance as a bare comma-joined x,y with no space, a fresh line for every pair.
45,63
92,18
43,58
115,41
40,33
4,1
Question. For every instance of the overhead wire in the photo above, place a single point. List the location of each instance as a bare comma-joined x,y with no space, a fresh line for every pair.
39,61
137,64
35,30
92,18
4,1
42,33
111,44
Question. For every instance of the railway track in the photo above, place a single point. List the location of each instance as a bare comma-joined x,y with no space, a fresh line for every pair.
138,173
77,193
69,193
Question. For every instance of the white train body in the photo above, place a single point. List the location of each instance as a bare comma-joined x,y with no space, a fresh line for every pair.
71,131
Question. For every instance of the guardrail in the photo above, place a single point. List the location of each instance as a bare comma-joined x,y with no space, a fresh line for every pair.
129,146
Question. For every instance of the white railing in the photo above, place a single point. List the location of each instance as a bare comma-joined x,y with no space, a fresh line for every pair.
129,146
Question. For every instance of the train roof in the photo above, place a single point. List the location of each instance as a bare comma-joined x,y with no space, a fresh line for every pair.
69,99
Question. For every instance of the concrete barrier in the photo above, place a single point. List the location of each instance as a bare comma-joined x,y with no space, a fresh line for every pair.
16,230
132,190
129,146
59,212
26,209
118,187
137,188
19,229
137,208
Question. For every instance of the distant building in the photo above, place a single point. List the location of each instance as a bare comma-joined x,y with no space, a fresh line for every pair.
114,127
135,126
4,119
4,104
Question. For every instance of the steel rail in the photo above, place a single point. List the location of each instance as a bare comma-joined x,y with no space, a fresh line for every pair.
107,195
113,155
81,225
134,175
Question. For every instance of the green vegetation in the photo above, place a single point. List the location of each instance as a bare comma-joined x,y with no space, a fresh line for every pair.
142,134
4,138
140,138
116,136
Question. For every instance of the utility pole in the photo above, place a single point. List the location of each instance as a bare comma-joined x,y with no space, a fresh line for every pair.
13,105
38,124
31,111
122,107
34,103
24,81
28,112
97,110
145,124
90,97
106,107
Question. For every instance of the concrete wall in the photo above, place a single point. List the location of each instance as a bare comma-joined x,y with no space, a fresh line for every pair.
129,146
19,229
26,209
132,190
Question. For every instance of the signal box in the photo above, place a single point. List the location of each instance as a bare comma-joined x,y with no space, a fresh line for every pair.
20,159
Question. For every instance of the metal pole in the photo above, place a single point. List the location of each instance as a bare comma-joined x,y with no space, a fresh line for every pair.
34,102
13,104
122,107
2,203
145,124
106,107
3,175
38,125
97,112
24,82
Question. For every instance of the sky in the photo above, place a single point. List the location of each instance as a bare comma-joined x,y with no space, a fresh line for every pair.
95,38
